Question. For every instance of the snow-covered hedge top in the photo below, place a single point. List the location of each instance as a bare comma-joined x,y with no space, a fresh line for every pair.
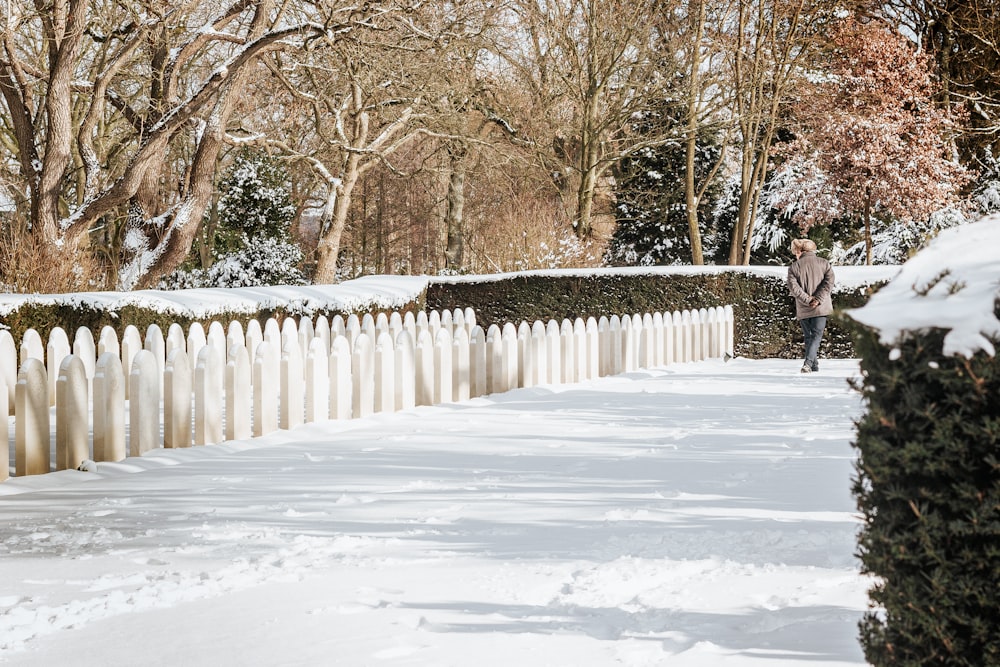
848,277
368,292
385,292
952,284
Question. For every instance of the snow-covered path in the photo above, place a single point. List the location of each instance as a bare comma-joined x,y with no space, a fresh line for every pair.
698,514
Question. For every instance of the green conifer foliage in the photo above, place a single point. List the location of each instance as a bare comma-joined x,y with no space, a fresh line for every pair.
650,210
928,486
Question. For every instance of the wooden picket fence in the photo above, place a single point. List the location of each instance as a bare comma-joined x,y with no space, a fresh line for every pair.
111,398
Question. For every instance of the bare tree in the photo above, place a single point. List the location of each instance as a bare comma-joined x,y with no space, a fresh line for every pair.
770,49
963,38
589,66
138,137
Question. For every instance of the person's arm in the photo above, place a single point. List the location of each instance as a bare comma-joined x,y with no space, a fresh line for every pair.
795,287
826,285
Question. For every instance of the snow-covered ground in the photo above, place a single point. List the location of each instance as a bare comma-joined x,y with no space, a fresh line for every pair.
696,514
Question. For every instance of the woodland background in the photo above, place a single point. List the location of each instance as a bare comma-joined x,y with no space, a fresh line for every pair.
181,144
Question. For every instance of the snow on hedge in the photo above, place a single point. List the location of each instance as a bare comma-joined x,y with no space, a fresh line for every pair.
953,284
369,292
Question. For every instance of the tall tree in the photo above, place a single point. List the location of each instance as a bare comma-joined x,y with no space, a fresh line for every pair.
119,112
652,196
963,38
871,140
589,67
770,45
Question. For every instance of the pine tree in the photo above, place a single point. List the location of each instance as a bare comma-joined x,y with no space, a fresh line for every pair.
255,201
652,226
251,243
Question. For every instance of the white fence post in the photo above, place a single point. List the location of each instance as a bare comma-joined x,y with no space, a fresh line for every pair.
177,388
616,364
494,352
362,374
32,432
593,344
323,333
85,348
352,328
384,372
107,341
729,346
238,392
317,381
579,350
341,384
109,409
208,399
8,367
461,374
680,333
406,370
443,385
32,347
155,344
131,344
4,419
688,325
424,353
668,338
72,414
56,350
292,398
253,337
144,404
628,344
566,353
477,362
509,356
266,366
196,339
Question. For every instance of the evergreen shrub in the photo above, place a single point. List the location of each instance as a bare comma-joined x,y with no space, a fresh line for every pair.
927,484
765,325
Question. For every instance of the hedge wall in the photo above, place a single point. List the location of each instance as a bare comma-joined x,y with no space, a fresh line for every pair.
928,487
765,315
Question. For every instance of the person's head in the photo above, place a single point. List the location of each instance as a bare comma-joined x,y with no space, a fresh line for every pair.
800,246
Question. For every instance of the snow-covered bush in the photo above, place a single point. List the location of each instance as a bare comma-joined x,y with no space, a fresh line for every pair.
262,261
895,241
251,245
254,202
986,194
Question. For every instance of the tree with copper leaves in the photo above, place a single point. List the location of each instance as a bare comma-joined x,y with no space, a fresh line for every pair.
870,141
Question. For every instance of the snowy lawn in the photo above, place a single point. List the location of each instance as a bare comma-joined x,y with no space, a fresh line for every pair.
697,514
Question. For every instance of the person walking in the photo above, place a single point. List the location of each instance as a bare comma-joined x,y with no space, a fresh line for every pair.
810,282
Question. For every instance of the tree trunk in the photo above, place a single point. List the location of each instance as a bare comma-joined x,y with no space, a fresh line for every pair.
757,185
690,193
868,226
736,244
455,206
690,196
328,247
585,205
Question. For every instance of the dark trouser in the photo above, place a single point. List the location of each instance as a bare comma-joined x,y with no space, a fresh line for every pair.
812,329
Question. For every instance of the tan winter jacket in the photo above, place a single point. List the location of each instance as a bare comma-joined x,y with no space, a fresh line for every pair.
811,276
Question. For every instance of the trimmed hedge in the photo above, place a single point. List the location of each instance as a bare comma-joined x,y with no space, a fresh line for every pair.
765,315
928,486
44,318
